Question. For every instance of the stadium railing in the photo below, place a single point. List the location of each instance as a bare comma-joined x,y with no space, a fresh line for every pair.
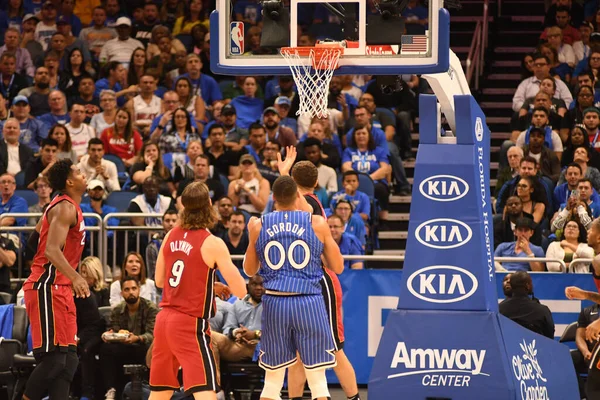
475,58
28,229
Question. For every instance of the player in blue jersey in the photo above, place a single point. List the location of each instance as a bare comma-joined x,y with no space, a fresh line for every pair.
286,248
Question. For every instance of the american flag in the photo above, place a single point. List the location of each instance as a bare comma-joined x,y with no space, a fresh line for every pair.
414,44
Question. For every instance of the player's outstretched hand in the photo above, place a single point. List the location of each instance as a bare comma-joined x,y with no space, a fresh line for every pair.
222,291
574,293
81,287
286,166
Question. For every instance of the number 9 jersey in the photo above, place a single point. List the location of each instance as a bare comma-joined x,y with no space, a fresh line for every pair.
290,253
189,282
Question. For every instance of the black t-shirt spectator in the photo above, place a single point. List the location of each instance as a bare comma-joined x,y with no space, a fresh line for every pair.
33,170
225,160
164,188
142,32
92,108
240,249
214,186
18,82
39,104
586,317
7,245
333,159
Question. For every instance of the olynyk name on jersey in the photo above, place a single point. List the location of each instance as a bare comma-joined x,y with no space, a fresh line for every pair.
439,367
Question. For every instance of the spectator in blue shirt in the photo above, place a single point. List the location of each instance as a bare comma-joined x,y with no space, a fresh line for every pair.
33,131
242,330
11,203
524,228
360,201
97,193
352,223
348,243
58,111
363,156
204,85
249,107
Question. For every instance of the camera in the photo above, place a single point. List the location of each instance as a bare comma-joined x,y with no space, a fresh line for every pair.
390,84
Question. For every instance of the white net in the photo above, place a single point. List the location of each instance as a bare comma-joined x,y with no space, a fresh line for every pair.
312,78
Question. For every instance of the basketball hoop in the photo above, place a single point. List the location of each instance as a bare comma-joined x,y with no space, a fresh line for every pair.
312,78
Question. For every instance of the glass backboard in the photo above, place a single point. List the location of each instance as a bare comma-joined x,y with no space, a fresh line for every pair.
381,37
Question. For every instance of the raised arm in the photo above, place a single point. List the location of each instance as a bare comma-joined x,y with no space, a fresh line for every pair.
251,261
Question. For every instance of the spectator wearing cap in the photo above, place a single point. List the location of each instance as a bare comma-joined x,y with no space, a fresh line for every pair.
275,132
122,47
504,229
28,41
235,136
525,310
97,194
348,243
250,107
548,162
47,26
14,156
12,41
11,83
95,167
249,191
581,48
282,105
96,36
32,130
521,247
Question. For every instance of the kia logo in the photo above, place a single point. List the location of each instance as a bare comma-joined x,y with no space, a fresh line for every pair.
444,188
443,233
442,284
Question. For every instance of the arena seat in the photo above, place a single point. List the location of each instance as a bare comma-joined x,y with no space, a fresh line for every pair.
20,179
7,297
29,195
569,333
120,200
242,377
14,364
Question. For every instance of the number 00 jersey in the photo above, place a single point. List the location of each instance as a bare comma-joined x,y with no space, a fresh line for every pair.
290,253
42,270
188,286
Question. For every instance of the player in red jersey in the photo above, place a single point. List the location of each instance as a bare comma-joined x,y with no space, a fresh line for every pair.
49,288
185,268
305,174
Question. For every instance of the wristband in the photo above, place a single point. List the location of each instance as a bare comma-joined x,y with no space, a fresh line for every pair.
162,128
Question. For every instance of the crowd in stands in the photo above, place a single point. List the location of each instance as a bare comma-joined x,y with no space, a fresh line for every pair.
549,169
125,91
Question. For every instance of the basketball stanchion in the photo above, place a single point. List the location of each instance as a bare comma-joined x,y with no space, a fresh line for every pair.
446,339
